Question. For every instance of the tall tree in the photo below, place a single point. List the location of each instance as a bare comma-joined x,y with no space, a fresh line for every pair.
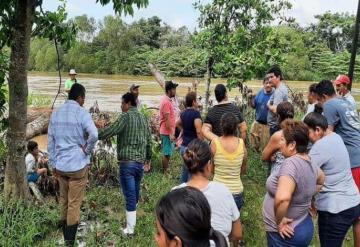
233,34
16,23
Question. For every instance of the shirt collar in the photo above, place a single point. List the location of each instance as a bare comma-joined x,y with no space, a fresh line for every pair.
133,109
72,102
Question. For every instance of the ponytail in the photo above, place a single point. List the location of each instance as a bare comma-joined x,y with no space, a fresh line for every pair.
218,238
197,156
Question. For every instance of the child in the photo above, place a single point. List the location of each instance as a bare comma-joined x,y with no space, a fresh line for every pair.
32,160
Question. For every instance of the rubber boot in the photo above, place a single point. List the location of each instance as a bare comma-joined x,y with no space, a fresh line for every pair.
63,227
70,235
130,223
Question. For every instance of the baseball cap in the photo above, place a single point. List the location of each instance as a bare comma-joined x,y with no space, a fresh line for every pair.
134,86
170,85
72,72
342,79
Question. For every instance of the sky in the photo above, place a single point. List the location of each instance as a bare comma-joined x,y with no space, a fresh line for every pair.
179,13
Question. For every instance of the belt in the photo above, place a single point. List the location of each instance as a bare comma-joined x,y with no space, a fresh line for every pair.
261,122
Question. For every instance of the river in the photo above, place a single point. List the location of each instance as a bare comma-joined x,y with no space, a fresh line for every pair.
107,89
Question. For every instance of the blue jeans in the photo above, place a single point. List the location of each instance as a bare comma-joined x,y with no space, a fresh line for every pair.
131,173
303,234
184,171
239,200
333,227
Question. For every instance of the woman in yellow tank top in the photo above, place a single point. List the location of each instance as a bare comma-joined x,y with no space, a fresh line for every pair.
230,158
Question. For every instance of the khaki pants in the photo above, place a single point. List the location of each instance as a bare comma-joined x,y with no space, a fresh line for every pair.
72,187
259,135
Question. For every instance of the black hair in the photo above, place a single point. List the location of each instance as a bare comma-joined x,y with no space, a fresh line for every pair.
190,98
325,87
314,119
197,156
220,92
312,88
229,123
77,90
296,131
31,146
129,97
185,213
276,70
318,108
285,110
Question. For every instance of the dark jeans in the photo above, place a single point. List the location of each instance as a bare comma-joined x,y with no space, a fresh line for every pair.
274,129
333,227
239,200
184,171
131,173
303,234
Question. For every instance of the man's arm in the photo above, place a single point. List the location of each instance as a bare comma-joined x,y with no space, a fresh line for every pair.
148,144
242,128
207,132
51,144
167,121
92,131
271,108
198,127
114,128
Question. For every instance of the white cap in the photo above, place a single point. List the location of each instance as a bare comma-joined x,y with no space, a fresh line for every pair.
72,72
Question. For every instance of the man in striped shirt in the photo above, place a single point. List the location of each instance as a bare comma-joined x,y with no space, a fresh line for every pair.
133,152
71,138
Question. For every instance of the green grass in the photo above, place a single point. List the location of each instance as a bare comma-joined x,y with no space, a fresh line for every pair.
35,100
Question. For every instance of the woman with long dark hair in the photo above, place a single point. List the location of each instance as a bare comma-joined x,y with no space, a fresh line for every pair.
183,219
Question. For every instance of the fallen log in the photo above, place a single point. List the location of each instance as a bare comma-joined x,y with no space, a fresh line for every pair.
34,113
38,126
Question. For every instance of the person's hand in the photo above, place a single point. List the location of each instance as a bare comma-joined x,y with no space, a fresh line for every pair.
147,166
284,228
273,158
55,174
312,210
84,149
172,138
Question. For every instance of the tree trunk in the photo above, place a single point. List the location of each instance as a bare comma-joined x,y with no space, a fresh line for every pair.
158,75
34,113
38,126
16,186
209,69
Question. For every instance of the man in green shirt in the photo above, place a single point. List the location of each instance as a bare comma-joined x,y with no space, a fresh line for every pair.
71,81
133,153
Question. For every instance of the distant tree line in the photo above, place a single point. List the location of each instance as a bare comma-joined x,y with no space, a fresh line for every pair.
111,46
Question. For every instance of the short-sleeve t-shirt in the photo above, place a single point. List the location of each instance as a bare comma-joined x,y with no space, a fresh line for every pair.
223,208
215,113
30,163
166,106
304,174
69,83
280,95
261,110
339,191
345,119
187,120
351,100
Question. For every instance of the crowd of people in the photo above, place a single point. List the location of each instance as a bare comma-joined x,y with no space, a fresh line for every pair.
314,164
